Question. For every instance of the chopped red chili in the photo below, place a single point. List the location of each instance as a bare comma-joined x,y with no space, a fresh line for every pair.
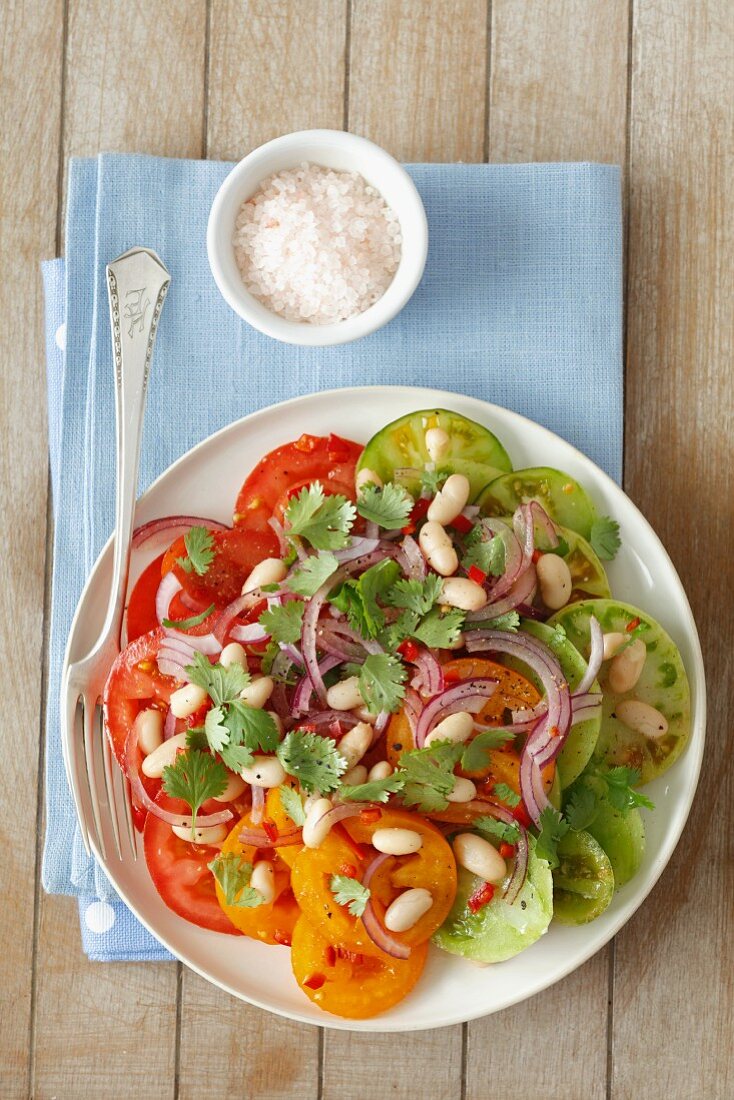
461,524
306,443
348,869
633,624
314,981
271,830
477,575
409,649
521,814
330,955
370,816
507,851
480,897
282,938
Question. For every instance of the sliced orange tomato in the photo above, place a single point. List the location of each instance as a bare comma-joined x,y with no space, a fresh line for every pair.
274,812
432,867
272,923
349,983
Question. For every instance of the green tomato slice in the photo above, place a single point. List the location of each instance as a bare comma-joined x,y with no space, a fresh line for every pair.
474,451
663,685
582,738
621,835
499,931
583,881
565,501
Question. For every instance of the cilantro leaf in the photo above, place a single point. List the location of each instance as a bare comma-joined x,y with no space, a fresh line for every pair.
292,805
620,782
283,622
312,574
199,545
432,479
507,795
324,521
313,760
581,808
439,630
509,621
196,738
376,790
487,554
358,598
476,753
404,627
194,776
217,734
350,892
414,595
604,537
428,775
221,684
187,624
389,507
251,726
552,830
382,682
492,829
233,873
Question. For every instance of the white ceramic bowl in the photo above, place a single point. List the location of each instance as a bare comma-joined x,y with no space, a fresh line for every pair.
205,482
332,149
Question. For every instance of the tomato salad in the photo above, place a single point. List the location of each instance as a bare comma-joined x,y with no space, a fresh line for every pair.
394,704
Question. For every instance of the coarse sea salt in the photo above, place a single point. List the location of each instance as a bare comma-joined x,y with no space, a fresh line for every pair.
316,245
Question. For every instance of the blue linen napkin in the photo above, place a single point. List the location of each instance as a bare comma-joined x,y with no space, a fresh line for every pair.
520,304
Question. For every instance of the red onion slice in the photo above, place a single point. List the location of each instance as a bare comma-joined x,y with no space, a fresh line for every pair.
430,674
539,515
372,926
356,548
170,585
258,838
205,643
277,527
471,695
258,804
170,666
169,726
249,633
596,656
327,717
411,559
521,591
171,525
142,798
305,687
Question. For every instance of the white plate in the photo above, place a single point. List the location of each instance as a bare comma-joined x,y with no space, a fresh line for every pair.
205,482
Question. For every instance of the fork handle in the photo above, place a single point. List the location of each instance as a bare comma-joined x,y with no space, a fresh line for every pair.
137,283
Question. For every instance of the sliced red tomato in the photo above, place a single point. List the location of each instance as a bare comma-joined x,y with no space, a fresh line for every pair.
180,873
135,683
328,459
236,553
141,616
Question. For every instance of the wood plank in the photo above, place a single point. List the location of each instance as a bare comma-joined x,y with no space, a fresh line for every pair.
135,82
558,80
31,46
417,77
674,978
275,66
545,58
259,1055
422,1063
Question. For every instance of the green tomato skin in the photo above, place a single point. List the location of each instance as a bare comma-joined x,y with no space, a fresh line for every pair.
621,835
474,451
499,931
565,501
583,882
663,684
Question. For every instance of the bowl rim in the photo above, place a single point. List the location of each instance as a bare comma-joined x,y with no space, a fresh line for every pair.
694,751
398,293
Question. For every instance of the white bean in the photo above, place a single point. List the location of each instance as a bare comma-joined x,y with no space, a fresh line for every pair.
355,776
257,693
355,742
212,835
463,791
363,713
397,842
554,578
235,787
457,728
345,694
626,668
407,909
450,499
642,718
187,699
262,879
268,571
463,593
367,477
149,728
381,770
233,654
315,829
612,642
480,857
265,771
437,549
437,443
164,755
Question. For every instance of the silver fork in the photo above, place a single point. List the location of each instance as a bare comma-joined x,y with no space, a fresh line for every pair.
137,283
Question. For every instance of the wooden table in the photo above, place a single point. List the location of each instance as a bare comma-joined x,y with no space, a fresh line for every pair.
645,84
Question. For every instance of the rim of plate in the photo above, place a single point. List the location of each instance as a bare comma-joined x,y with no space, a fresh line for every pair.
693,755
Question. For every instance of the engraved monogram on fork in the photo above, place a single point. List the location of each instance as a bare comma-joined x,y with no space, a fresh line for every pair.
135,311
